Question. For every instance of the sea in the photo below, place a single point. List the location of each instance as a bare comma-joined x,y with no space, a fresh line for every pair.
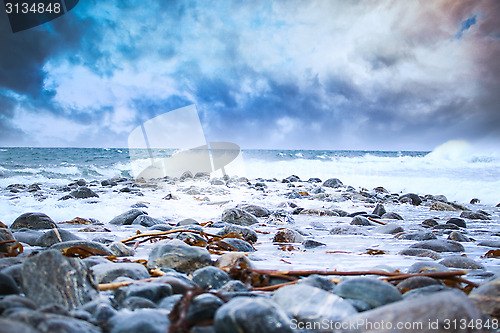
453,169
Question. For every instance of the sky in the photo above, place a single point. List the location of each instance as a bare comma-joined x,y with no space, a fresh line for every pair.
332,74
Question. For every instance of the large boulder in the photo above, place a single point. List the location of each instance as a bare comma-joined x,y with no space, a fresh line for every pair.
33,221
178,255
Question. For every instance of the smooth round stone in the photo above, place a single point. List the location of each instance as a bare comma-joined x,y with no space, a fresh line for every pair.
67,324
14,271
239,244
50,277
416,282
140,321
106,273
428,290
147,221
429,223
318,281
457,236
414,199
489,243
93,245
418,236
180,283
372,291
439,245
8,285
418,313
127,218
379,210
151,291
333,183
161,227
348,230
15,301
421,266
487,297
361,220
457,221
27,236
255,210
251,314
287,236
442,206
169,302
83,193
210,277
51,237
390,228
233,286
203,307
248,234
318,212
10,326
33,221
238,216
178,255
461,262
311,244
121,250
6,236
449,226
392,216
233,260
187,222
136,302
474,216
309,304
421,253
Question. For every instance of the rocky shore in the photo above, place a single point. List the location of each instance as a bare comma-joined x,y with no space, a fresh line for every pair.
230,254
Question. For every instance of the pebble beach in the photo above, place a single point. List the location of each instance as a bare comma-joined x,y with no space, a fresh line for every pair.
237,254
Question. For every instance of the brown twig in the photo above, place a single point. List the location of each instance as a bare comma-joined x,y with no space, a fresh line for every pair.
376,221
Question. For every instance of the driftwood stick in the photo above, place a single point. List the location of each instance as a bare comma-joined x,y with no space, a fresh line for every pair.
116,285
163,233
376,221
275,287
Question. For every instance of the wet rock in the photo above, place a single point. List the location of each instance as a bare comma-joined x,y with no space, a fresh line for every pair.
255,210
487,297
248,234
428,290
318,212
461,262
348,230
439,245
147,221
169,302
128,217
233,286
414,199
418,236
450,226
152,291
392,216
390,228
291,179
239,245
361,220
490,243
421,253
333,182
27,236
121,250
135,302
85,243
419,313
311,244
216,181
66,324
314,180
416,282
203,308
379,210
186,222
233,260
442,206
429,223
318,281
83,193
8,285
251,314
161,227
238,216
109,183
287,236
421,266
178,255
280,217
106,273
7,239
140,321
54,236
50,277
371,291
8,326
457,236
475,216
308,304
33,221
458,222
210,277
